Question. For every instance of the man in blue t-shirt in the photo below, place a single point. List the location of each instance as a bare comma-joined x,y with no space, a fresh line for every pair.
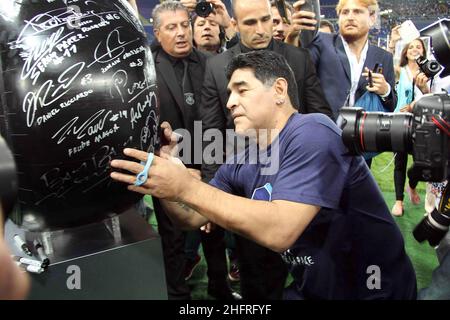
306,198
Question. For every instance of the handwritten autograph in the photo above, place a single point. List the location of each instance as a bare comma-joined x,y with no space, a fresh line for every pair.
91,126
111,48
46,95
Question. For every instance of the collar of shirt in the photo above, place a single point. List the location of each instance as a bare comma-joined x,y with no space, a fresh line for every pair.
356,68
192,57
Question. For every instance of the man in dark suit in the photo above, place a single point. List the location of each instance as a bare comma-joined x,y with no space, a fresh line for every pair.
262,271
254,24
343,60
174,50
179,71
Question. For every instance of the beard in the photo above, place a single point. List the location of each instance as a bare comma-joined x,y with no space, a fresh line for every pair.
353,36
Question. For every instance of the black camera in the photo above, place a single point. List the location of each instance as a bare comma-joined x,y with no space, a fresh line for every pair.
433,227
203,8
429,67
422,134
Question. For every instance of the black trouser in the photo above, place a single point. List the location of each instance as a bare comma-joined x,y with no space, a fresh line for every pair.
214,250
263,273
173,251
401,161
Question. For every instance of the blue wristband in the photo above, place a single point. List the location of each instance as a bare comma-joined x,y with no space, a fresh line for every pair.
142,177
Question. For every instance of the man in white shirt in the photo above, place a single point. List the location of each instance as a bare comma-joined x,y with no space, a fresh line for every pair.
344,59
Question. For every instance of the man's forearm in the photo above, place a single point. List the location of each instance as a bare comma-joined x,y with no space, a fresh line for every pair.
182,215
262,221
228,211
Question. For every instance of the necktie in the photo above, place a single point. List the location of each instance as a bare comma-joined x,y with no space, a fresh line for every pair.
188,91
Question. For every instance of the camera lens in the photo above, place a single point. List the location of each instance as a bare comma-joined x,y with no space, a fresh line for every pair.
434,67
376,131
432,228
203,9
429,68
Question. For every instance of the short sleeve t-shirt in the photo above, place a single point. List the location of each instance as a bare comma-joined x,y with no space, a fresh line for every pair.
353,248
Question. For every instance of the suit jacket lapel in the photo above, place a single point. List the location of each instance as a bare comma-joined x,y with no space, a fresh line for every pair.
343,57
168,74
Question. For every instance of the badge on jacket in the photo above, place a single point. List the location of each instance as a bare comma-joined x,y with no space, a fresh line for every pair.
189,98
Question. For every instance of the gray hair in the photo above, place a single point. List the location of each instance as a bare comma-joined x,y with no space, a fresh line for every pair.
166,6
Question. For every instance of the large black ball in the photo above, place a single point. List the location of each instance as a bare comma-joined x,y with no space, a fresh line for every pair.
77,85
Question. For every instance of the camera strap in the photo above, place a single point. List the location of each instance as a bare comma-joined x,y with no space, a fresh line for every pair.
441,124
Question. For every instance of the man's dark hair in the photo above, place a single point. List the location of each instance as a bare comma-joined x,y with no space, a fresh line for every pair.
327,23
194,17
288,6
403,55
267,66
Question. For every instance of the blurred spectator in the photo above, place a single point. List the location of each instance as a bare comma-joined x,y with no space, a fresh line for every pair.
343,60
412,84
326,26
14,283
282,31
208,35
177,65
219,16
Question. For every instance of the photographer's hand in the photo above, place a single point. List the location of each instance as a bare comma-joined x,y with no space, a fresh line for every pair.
189,4
380,85
221,13
408,108
222,18
421,81
301,19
